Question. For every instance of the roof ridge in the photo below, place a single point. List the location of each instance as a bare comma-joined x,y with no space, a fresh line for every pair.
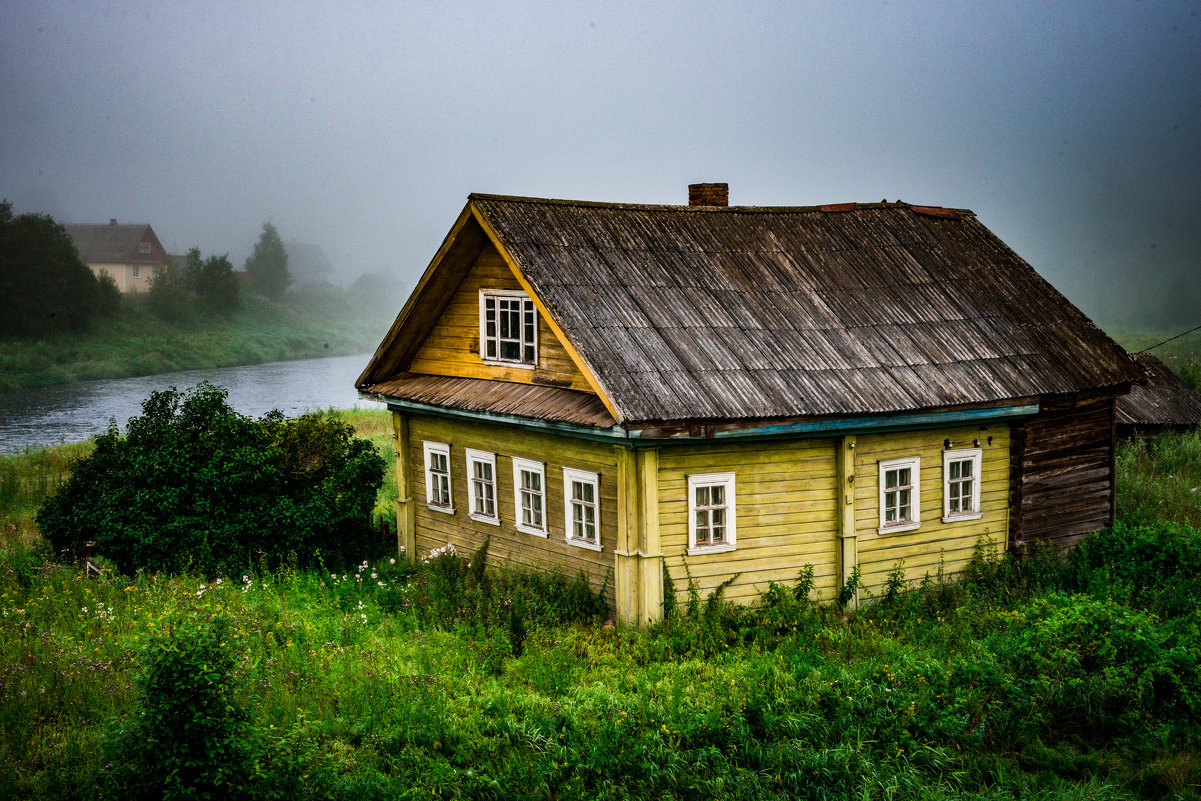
920,208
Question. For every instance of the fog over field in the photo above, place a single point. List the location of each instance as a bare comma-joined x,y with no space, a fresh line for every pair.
1073,129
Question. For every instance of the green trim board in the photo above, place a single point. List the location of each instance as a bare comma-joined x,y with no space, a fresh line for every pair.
634,438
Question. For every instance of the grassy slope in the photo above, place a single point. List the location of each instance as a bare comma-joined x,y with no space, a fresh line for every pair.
371,682
137,342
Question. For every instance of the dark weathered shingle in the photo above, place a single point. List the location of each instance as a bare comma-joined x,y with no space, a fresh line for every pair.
1163,400
681,312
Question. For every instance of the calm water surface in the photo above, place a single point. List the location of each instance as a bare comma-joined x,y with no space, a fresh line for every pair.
35,418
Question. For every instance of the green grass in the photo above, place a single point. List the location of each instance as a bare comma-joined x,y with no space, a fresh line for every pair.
137,342
1035,679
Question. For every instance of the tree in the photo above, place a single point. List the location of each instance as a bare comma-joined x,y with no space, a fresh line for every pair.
216,284
195,485
268,265
45,287
212,280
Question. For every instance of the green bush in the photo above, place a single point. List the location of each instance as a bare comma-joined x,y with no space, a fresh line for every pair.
195,485
188,737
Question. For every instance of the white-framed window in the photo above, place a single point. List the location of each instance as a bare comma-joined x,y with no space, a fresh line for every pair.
437,477
529,496
581,508
900,501
961,484
508,328
137,271
143,247
712,523
481,476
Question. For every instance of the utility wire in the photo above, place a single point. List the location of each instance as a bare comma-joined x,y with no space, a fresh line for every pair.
1166,341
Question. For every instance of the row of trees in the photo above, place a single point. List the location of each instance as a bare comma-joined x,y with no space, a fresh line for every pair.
47,289
44,286
211,284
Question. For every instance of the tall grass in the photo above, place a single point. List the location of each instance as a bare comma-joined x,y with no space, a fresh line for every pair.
1160,479
1044,678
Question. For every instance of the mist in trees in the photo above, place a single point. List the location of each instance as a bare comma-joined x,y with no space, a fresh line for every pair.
267,266
45,286
209,284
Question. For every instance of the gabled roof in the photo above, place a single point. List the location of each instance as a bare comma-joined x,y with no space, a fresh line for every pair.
1164,399
706,313
115,244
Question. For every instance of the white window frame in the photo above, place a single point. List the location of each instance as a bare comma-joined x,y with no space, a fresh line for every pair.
527,306
442,449
571,477
537,468
726,481
914,465
976,457
474,511
137,271
144,247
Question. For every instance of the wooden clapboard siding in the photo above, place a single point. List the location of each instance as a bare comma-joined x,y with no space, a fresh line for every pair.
452,347
436,528
1063,475
935,545
784,494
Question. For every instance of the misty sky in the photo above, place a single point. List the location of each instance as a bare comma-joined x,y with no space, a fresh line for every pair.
1073,129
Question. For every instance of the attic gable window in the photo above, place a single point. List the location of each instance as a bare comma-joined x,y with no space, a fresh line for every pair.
508,328
143,247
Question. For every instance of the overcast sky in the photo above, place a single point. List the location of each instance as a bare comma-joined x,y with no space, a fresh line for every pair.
1073,129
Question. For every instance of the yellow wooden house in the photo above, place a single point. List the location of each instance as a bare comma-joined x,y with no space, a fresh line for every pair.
723,391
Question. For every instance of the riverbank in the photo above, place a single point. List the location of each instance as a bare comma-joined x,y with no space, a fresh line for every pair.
136,342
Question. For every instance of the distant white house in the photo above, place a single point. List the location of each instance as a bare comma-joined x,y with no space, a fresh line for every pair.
129,252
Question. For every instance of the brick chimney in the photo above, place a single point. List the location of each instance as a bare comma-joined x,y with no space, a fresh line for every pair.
708,194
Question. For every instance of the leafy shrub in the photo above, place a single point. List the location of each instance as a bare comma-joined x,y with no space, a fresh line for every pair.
1157,568
194,484
188,737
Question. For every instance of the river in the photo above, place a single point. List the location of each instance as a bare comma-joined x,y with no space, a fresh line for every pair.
35,418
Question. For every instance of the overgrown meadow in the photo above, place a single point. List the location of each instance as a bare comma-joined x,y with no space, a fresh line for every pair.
436,677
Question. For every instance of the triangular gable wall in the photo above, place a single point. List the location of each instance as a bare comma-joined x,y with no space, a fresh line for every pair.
437,331
452,347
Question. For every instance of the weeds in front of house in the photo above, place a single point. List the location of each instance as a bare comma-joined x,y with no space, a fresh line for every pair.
1039,678
1074,678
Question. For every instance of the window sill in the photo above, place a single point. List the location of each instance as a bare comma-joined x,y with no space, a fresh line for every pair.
537,532
493,521
961,517
899,527
591,546
702,550
518,365
446,510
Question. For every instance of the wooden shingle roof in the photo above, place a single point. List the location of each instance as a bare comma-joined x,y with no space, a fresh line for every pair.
737,313
114,243
1164,399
